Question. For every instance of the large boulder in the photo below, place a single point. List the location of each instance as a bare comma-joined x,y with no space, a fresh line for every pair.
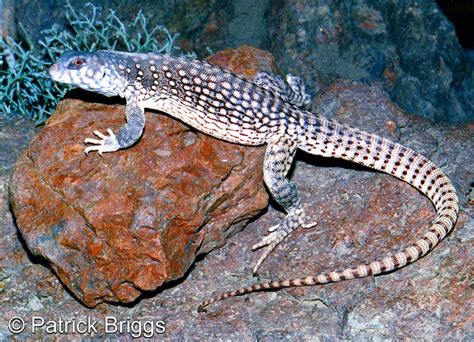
114,226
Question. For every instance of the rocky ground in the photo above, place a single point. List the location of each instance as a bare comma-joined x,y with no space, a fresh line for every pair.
361,215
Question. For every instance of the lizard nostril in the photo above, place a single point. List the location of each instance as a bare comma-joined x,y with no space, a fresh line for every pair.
53,68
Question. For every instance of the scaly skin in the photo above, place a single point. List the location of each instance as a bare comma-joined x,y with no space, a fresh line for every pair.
266,111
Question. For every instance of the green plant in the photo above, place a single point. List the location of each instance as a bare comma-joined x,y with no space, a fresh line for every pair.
26,87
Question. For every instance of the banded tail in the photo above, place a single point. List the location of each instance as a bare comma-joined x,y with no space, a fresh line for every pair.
328,138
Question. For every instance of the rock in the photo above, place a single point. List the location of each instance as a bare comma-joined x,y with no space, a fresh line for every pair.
115,226
361,215
412,49
245,61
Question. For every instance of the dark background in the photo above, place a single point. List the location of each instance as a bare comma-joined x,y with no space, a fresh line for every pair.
410,47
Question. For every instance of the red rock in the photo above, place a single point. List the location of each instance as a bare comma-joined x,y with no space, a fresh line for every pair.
245,60
112,227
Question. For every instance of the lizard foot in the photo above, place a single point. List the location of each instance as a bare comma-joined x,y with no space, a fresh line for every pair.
279,232
105,144
270,241
303,225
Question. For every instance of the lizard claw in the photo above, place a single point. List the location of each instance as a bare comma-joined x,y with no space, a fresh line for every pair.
273,228
309,225
105,144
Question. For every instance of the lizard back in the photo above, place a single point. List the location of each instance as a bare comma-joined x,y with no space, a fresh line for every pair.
208,98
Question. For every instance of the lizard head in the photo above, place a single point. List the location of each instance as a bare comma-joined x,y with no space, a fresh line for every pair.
91,71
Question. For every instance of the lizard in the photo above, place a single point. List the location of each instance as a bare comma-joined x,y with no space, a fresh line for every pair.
266,111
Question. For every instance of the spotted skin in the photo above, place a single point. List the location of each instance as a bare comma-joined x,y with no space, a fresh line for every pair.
292,91
266,111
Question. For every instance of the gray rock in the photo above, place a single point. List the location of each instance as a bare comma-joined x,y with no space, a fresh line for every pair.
411,49
361,215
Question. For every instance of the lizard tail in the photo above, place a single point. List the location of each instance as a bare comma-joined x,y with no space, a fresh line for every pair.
329,138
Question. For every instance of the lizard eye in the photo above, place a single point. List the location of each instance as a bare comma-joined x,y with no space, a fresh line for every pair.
78,61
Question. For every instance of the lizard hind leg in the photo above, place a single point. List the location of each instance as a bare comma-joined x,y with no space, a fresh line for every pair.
278,158
297,95
293,90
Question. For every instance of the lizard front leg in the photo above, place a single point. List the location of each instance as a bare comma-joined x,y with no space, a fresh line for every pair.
278,158
127,135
